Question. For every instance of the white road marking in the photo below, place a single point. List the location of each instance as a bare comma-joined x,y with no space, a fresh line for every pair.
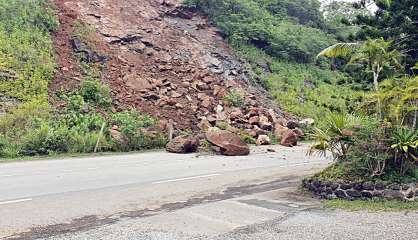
187,178
8,175
92,168
16,201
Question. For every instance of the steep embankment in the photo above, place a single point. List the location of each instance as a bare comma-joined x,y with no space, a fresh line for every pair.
158,58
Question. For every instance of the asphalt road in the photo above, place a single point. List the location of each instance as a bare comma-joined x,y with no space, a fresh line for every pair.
161,196
45,198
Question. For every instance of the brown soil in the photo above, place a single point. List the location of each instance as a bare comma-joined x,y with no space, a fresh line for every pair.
163,60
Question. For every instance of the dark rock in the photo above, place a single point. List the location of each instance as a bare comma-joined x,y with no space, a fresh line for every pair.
183,144
292,124
86,54
328,190
366,194
358,186
379,186
410,195
340,194
334,186
393,194
368,186
353,193
346,186
316,183
377,194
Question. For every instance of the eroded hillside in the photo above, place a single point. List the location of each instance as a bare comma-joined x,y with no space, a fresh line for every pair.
160,58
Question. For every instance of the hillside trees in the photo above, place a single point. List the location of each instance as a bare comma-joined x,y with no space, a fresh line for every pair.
374,54
393,20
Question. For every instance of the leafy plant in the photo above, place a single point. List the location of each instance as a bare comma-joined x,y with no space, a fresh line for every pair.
234,98
406,148
337,137
94,92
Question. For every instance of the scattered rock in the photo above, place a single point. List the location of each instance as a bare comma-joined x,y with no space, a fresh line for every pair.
229,143
292,124
254,120
117,135
265,123
204,124
183,144
289,138
263,140
307,121
299,132
279,130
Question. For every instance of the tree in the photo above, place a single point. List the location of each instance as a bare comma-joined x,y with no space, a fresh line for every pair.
394,20
399,98
374,54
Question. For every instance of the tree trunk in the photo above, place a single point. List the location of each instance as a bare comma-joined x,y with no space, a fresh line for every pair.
376,72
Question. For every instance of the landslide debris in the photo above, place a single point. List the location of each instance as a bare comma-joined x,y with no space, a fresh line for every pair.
164,60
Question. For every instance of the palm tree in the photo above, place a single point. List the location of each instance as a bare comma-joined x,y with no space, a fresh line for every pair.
375,54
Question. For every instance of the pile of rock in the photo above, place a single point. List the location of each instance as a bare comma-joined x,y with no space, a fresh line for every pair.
256,123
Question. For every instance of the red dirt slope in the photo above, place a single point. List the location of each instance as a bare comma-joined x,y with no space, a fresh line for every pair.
163,60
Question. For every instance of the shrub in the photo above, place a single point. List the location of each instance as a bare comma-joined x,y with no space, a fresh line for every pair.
234,98
405,145
133,126
337,137
94,92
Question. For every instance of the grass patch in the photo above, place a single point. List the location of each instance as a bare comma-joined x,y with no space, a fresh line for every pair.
371,205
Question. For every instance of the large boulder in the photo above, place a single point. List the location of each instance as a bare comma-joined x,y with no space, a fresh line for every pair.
183,144
279,130
289,138
229,144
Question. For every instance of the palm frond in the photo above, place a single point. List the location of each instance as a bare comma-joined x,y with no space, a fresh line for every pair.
339,50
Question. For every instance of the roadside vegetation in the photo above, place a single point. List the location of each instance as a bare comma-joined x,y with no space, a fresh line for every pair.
85,122
378,141
358,83
371,205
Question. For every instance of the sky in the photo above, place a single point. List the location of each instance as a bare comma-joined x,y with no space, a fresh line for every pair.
372,8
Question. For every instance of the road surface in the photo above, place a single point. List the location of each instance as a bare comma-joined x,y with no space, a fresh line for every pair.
176,197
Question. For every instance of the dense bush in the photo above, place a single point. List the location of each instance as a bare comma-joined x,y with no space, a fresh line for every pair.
271,26
368,149
26,48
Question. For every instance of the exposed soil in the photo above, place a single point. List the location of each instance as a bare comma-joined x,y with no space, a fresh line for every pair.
161,59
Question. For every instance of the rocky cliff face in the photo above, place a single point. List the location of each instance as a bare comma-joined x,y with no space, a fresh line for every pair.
162,59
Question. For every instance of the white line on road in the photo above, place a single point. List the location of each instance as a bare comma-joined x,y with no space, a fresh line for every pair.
187,178
16,201
8,175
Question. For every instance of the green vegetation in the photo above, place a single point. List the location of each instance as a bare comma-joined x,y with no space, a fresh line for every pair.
382,145
371,205
85,123
395,21
26,50
234,98
280,40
